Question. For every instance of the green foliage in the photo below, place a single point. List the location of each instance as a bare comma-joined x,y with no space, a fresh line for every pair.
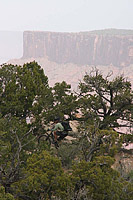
98,181
108,103
67,153
20,87
27,170
16,141
64,100
22,90
130,176
5,196
44,178
94,142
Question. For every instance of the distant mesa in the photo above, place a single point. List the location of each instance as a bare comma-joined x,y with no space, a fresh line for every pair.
107,47
67,56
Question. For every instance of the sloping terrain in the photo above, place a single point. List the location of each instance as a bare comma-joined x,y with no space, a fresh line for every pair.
72,73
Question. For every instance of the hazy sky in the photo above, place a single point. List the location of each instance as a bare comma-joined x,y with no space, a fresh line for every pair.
65,15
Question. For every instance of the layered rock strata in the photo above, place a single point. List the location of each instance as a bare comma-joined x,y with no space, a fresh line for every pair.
84,48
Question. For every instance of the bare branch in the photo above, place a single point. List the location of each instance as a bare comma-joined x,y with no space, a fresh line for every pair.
29,141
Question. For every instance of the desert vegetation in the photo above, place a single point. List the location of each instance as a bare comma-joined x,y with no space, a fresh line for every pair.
80,169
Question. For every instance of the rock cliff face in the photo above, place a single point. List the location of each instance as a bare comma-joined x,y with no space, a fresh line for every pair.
84,48
124,162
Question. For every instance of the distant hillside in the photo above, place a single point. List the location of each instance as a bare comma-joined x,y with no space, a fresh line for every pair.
112,32
11,45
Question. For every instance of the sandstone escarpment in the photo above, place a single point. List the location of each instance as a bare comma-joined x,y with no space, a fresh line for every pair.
84,48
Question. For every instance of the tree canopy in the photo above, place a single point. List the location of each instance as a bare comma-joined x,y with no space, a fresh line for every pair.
108,102
79,169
